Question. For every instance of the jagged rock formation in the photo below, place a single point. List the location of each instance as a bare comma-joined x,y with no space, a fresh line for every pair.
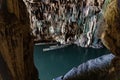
16,43
67,21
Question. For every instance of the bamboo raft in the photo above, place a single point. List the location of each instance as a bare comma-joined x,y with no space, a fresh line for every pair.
55,47
48,43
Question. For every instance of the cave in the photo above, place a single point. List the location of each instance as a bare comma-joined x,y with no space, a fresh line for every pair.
59,40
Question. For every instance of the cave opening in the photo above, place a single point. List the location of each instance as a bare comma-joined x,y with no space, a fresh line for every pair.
72,31
78,27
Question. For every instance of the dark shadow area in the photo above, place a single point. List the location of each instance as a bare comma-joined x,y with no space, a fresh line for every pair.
4,71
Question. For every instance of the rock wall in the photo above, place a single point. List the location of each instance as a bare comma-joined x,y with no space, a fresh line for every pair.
111,34
16,43
67,21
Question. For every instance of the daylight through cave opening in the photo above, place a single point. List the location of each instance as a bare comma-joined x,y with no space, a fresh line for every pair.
68,22
65,22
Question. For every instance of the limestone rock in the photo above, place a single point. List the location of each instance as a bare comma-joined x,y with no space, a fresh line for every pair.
111,35
16,43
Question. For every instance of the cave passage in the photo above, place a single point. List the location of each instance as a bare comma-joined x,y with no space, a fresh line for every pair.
54,63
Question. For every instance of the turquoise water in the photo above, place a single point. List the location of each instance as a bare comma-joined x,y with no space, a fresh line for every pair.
56,63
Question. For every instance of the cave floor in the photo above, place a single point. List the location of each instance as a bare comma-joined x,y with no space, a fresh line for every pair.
54,63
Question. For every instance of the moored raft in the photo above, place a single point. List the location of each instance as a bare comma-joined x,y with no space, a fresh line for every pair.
56,47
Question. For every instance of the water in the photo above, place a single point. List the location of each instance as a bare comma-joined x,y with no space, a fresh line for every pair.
56,63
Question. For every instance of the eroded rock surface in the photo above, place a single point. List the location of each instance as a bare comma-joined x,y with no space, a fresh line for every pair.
67,20
16,43
111,34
